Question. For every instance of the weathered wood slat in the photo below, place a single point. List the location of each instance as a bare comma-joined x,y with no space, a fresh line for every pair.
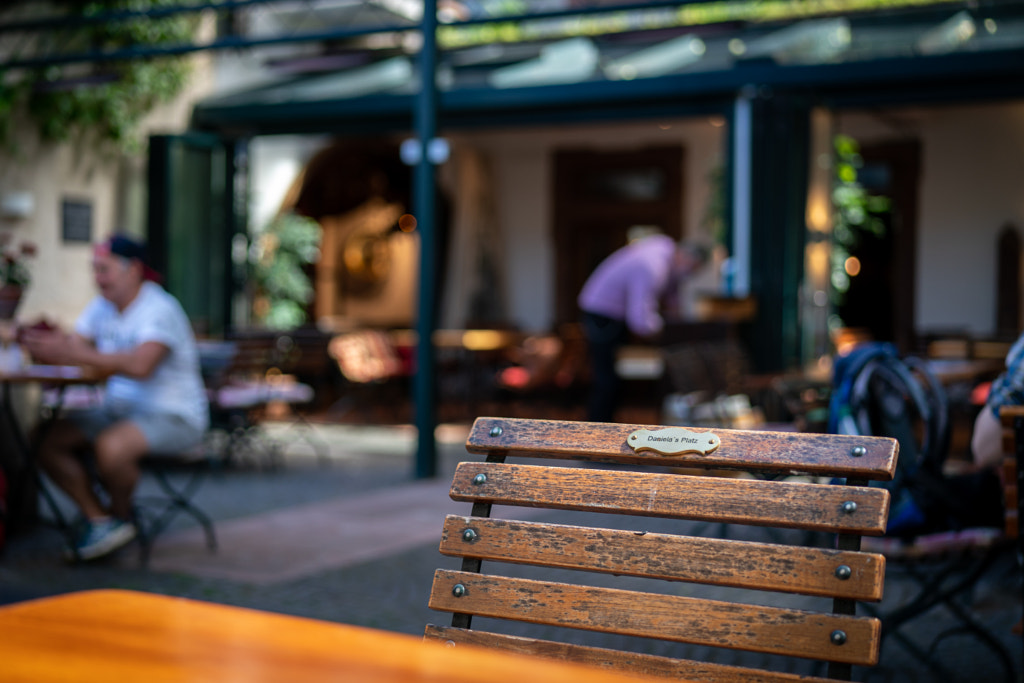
760,566
772,503
825,454
632,662
669,617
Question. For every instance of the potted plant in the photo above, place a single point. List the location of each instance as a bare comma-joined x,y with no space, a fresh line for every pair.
14,275
283,251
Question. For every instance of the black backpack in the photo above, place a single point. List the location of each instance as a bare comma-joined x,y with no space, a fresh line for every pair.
875,392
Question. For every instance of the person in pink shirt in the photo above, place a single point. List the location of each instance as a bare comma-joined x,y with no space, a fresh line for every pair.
626,293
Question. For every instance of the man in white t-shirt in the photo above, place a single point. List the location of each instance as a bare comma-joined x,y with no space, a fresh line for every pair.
138,336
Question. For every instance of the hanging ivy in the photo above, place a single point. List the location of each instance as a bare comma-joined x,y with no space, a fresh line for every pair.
104,99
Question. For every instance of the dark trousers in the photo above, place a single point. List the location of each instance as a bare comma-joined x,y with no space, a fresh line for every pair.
604,337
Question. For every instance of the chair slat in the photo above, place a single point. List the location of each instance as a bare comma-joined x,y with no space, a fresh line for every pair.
632,662
670,617
776,503
834,455
742,564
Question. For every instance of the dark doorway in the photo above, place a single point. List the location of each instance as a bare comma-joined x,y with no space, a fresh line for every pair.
598,196
881,297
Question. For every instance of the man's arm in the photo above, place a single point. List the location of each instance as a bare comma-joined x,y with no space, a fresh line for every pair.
1007,389
642,314
59,348
987,439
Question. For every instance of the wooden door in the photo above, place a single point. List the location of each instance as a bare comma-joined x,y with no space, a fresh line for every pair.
598,196
881,297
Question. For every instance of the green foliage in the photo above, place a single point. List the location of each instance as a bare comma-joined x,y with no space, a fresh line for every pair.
855,213
690,14
108,98
714,216
278,262
14,262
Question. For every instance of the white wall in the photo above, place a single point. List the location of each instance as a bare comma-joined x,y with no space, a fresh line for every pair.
275,162
62,277
972,184
523,179
521,160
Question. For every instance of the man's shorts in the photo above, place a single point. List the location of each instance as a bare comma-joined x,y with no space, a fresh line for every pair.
165,434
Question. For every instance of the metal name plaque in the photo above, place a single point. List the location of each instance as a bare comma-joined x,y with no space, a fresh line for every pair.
674,441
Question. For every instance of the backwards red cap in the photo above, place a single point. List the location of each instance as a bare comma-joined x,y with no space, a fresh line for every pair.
126,247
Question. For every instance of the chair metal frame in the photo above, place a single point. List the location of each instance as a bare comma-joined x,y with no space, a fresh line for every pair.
153,514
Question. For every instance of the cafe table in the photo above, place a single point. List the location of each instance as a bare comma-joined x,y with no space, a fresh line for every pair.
58,376
18,461
120,635
971,370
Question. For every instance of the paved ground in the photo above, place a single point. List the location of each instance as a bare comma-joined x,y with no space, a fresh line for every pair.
351,537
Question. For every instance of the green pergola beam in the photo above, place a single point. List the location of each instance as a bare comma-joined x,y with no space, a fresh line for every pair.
425,198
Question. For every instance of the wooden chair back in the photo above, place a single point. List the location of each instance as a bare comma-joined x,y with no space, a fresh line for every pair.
640,484
261,353
366,356
1012,420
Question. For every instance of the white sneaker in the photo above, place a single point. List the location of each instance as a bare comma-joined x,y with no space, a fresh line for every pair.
104,537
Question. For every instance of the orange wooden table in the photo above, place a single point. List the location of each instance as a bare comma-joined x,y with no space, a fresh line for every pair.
115,635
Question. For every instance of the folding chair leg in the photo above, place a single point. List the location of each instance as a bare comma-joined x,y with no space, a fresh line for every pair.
932,593
309,435
142,536
176,500
180,500
978,630
61,522
254,445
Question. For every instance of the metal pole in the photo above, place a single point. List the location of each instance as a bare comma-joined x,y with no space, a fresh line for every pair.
741,193
424,206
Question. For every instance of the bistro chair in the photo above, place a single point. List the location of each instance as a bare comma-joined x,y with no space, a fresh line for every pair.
178,477
944,532
369,363
943,569
621,564
243,377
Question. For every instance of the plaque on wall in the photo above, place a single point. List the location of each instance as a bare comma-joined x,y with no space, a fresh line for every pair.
76,220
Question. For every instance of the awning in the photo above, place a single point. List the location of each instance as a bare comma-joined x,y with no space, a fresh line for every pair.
940,55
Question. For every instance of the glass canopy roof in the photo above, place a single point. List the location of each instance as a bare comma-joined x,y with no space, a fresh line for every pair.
695,60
